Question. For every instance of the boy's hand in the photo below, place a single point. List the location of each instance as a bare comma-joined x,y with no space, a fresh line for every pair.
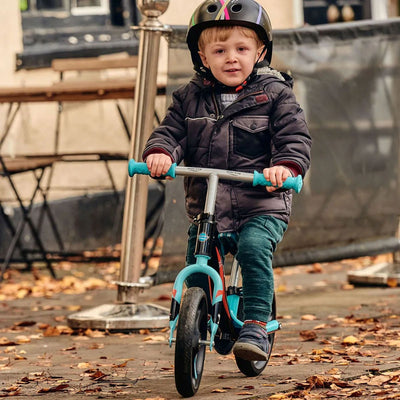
158,164
276,175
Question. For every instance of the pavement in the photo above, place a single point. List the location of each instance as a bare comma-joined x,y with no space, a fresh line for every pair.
336,338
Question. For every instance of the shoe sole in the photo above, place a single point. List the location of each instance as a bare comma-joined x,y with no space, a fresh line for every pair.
249,352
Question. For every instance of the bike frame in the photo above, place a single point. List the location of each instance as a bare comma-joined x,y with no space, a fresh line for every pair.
203,254
204,245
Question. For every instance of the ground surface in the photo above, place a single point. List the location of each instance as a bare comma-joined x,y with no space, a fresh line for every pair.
337,341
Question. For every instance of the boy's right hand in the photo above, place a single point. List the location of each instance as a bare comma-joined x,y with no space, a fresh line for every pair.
158,164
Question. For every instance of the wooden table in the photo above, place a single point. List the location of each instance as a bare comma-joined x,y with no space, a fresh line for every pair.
62,91
73,91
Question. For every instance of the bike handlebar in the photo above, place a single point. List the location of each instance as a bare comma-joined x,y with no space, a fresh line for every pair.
257,178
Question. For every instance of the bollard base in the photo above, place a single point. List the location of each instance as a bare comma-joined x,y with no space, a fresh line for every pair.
121,317
383,274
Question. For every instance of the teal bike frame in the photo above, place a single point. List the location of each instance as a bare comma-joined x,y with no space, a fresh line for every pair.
205,239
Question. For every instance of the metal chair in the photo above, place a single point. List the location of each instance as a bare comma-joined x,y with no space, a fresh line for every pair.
36,166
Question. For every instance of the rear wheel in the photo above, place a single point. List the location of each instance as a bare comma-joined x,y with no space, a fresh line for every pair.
255,368
189,353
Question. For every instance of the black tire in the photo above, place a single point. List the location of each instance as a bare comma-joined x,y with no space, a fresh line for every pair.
255,368
189,354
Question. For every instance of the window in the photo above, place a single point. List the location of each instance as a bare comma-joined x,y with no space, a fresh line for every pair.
84,7
51,5
75,7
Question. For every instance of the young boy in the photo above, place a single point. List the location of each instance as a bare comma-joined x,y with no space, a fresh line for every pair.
236,113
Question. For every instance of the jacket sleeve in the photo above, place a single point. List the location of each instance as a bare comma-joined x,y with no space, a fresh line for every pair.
291,140
170,136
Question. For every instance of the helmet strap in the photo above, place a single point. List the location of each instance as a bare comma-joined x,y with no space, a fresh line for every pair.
262,54
260,57
241,86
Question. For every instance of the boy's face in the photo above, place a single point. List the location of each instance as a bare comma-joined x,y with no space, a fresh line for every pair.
231,61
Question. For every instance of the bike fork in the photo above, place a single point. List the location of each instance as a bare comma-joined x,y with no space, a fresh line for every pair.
218,291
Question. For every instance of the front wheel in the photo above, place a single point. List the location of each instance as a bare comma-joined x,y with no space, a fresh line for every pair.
189,352
255,368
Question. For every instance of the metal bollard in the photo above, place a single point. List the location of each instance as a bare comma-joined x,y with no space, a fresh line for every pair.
127,314
133,228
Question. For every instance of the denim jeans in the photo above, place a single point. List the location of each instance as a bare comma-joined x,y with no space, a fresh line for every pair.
253,246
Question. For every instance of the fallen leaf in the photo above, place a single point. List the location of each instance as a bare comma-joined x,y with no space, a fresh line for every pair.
321,326
73,308
281,288
379,380
11,393
6,342
69,348
52,389
308,317
25,323
93,390
11,389
349,340
22,339
316,268
155,338
122,365
94,334
334,371
83,365
307,336
51,331
347,286
98,375
164,297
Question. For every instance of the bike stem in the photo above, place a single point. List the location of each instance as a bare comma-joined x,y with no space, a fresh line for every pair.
203,251
206,221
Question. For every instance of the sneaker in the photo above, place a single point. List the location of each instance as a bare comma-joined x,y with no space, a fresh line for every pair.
252,344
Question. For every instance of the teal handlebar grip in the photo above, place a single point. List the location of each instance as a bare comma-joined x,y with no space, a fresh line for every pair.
294,183
141,168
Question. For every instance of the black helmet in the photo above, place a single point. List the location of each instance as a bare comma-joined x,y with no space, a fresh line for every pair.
247,13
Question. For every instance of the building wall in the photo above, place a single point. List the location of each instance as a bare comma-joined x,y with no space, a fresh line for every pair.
10,40
283,13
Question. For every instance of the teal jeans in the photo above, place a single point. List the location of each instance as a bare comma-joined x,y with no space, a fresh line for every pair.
253,246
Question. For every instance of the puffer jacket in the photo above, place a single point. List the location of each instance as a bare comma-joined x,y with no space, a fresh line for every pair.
265,126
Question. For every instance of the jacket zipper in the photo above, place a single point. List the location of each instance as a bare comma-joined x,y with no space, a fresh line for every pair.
217,110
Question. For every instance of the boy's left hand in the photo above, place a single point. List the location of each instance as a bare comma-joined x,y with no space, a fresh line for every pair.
276,175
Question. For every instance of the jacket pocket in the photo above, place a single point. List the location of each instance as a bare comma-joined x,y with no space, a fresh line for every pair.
251,136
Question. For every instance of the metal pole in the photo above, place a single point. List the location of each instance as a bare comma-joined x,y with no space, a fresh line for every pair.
128,314
136,194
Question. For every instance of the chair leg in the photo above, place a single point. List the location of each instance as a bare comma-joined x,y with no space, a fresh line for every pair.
18,243
45,209
26,219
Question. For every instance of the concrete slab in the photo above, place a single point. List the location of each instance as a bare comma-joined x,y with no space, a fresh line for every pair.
386,274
